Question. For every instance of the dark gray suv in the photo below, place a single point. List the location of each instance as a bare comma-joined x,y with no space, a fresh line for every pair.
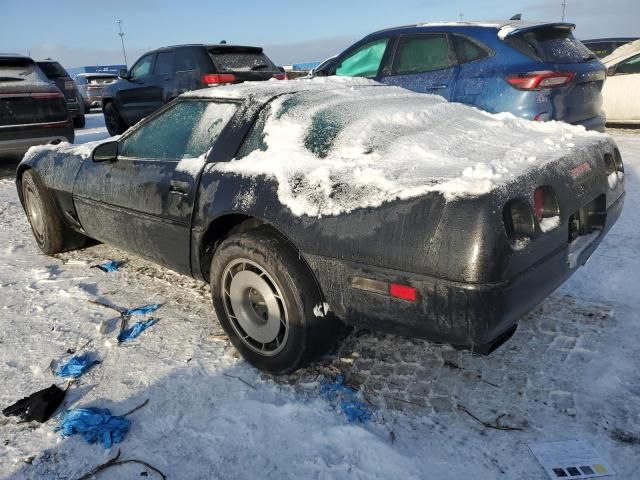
58,75
161,75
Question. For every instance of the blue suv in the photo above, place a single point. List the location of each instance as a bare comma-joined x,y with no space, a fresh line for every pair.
534,70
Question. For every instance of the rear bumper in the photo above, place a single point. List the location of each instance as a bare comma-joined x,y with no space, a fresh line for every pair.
16,143
449,312
594,123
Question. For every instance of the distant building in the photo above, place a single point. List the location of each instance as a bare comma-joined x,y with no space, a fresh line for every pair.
96,69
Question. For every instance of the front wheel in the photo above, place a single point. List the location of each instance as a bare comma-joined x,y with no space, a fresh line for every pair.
264,296
51,235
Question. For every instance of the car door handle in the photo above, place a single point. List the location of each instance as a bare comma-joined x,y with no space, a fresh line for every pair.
178,188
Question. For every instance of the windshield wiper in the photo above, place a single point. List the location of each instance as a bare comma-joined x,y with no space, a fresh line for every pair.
11,79
260,67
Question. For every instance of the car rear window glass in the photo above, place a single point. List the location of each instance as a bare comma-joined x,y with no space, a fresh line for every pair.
101,80
422,53
53,69
629,66
187,130
551,44
365,61
164,63
241,61
601,49
17,70
468,51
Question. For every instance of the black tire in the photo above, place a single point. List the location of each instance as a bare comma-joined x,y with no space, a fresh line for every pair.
301,335
114,122
79,121
51,235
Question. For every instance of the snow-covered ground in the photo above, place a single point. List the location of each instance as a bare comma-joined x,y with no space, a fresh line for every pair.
570,372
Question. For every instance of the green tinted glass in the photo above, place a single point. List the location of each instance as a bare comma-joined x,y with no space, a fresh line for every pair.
630,66
424,53
364,62
185,131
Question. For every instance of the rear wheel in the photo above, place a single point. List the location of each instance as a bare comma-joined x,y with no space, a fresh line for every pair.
48,229
264,297
79,121
113,120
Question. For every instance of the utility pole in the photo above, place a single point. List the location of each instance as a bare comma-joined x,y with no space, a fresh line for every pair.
461,16
121,33
564,6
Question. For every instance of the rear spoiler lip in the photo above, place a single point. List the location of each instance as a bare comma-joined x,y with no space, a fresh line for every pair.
528,28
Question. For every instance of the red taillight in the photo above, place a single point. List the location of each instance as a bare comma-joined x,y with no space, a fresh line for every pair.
218,78
281,76
403,292
538,203
47,95
538,80
545,203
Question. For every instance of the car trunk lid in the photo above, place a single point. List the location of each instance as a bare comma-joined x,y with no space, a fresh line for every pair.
245,63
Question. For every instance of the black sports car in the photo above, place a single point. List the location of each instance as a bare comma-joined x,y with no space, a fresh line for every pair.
312,204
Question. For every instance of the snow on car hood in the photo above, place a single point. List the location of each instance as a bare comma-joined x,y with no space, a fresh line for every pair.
335,150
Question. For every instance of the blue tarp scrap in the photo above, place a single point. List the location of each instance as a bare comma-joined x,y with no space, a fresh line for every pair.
345,397
77,365
109,266
132,332
94,424
144,310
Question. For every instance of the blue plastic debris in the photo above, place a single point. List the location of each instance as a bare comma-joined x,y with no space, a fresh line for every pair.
77,365
152,307
130,333
94,424
347,399
109,266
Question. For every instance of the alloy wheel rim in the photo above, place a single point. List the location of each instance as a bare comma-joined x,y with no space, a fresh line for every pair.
255,307
35,213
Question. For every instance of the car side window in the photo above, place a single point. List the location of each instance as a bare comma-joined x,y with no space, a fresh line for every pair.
142,67
365,61
164,63
422,53
185,61
187,130
468,51
629,66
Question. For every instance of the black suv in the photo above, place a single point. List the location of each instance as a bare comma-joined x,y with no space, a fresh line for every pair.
161,75
58,75
32,110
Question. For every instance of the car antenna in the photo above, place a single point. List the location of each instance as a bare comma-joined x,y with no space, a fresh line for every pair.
517,16
223,42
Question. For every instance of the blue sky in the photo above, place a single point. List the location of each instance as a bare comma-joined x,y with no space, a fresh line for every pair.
85,32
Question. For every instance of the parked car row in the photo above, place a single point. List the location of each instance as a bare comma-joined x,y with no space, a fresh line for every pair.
33,111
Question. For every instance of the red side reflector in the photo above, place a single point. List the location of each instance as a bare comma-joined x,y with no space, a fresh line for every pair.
403,292
218,78
538,80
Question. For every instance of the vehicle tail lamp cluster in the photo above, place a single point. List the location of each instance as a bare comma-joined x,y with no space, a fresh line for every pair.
539,80
281,76
388,289
218,78
520,219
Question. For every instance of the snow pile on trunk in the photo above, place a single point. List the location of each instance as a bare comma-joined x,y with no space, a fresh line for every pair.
335,150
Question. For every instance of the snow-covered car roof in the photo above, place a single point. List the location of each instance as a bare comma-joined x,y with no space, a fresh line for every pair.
622,53
336,144
97,74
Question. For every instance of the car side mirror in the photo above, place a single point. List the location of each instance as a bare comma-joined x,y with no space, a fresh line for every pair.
611,71
123,73
105,152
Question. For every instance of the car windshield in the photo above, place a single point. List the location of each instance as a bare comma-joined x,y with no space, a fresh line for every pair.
551,44
17,70
241,61
53,69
